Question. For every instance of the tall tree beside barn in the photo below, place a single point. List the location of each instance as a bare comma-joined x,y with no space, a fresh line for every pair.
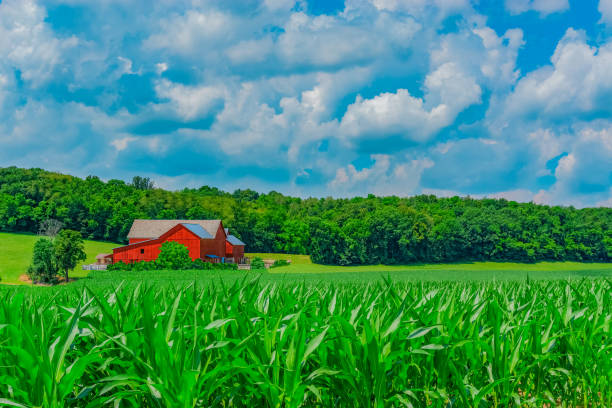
69,250
43,267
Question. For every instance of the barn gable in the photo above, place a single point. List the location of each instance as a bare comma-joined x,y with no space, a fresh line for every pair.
148,250
216,246
232,239
198,230
234,247
151,229
205,239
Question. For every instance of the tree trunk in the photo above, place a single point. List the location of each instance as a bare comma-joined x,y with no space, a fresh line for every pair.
66,275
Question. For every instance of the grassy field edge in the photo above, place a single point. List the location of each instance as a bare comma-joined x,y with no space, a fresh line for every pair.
16,254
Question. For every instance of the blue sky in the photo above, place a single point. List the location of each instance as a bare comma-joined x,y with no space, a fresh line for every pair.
484,98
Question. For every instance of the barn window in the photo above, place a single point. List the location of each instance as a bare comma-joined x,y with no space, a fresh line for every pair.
142,250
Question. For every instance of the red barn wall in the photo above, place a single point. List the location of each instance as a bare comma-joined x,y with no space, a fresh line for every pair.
136,240
234,251
214,246
149,250
238,252
187,238
145,251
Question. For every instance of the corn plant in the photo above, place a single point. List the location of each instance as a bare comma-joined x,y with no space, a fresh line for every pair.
248,343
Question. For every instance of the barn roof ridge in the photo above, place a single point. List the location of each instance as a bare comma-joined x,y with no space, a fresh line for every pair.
234,240
197,229
152,229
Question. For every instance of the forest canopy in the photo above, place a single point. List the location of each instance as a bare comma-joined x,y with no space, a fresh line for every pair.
360,230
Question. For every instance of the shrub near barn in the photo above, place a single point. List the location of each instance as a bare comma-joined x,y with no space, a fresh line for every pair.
172,256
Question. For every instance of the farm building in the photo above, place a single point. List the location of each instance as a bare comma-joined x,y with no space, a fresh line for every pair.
104,259
234,248
205,239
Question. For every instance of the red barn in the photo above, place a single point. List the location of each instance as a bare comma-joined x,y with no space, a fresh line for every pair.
234,248
205,239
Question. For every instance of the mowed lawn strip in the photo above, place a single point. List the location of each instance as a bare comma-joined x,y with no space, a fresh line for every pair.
461,271
16,254
301,264
295,259
205,278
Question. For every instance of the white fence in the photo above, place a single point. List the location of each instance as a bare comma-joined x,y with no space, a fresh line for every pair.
94,267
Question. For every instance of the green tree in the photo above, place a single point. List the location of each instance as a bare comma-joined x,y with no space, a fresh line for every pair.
294,237
167,214
257,263
142,183
173,256
245,195
199,213
328,244
43,267
359,230
69,250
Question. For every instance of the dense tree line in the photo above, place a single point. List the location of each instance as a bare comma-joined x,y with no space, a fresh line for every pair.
360,230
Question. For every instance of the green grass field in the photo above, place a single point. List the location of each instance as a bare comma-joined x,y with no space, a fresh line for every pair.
16,254
466,334
485,272
301,265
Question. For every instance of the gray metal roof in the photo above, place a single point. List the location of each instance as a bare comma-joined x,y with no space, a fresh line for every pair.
234,240
198,230
152,229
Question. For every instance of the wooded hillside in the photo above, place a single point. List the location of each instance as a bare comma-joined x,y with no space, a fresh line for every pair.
334,231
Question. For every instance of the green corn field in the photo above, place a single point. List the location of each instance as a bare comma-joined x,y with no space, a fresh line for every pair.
250,343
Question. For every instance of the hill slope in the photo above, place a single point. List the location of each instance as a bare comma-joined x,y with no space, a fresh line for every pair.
360,230
16,255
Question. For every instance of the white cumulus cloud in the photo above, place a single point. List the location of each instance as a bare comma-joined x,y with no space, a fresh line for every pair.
605,8
386,176
543,7
579,81
27,43
190,102
448,92
187,33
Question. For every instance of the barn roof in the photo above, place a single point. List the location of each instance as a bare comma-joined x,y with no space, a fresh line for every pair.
198,230
152,229
234,240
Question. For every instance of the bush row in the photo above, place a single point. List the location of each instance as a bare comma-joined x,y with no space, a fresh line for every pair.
172,256
154,265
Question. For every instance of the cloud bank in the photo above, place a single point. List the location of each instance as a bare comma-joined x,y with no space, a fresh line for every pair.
314,98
